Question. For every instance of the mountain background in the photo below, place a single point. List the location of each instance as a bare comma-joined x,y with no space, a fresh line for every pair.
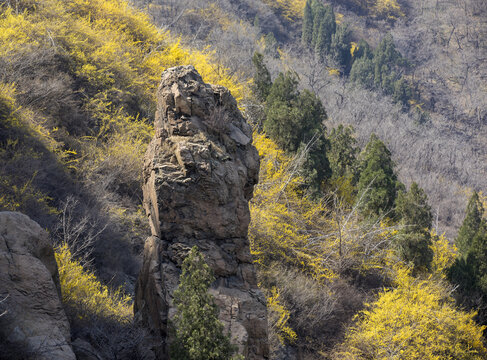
444,42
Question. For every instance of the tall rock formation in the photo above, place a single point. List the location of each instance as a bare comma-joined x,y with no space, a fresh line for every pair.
33,324
199,174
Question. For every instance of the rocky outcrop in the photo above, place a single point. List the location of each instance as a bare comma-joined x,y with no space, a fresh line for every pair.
34,325
199,174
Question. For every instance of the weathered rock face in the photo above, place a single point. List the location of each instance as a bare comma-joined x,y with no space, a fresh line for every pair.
34,325
199,173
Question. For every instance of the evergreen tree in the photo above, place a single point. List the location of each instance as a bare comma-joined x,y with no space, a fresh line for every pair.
320,42
343,152
386,58
402,93
325,30
340,47
307,35
262,77
319,12
413,209
471,225
362,72
469,271
363,50
294,119
198,334
377,186
414,239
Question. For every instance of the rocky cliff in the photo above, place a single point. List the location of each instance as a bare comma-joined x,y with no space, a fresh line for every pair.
33,324
199,174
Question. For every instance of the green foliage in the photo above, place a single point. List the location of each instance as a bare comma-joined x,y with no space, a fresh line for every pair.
343,152
381,69
414,239
377,186
294,120
362,72
471,225
413,210
262,77
469,271
319,25
198,334
402,93
307,34
340,47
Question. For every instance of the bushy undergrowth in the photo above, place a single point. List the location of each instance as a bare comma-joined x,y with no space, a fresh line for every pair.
417,319
85,75
321,263
90,298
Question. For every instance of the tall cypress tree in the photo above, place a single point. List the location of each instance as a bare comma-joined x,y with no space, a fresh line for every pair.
343,152
329,24
307,35
324,26
262,77
414,239
471,224
340,47
377,186
318,15
469,271
294,118
198,333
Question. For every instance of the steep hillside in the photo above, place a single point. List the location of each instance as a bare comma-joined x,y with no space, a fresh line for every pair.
77,102
438,143
348,248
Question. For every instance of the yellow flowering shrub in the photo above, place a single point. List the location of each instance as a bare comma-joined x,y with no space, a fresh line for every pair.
386,9
279,317
292,229
444,254
415,320
290,9
116,55
82,290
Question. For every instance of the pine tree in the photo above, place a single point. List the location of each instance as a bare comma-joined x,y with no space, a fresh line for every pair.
340,47
318,15
377,186
329,24
307,35
413,209
343,152
414,239
402,93
386,59
262,77
469,271
294,119
325,27
471,225
362,72
198,334
320,41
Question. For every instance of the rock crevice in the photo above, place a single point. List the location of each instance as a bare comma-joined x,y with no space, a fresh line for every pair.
199,174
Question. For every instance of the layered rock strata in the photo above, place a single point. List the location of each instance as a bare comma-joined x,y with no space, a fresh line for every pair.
199,174
33,324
